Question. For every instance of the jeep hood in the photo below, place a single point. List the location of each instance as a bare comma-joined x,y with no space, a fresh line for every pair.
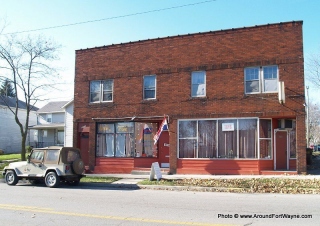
17,164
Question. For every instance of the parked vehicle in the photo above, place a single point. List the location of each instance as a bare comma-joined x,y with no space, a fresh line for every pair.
51,165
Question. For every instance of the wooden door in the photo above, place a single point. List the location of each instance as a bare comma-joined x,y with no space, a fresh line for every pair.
281,150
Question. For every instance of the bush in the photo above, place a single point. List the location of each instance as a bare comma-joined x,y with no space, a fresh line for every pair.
29,149
1,152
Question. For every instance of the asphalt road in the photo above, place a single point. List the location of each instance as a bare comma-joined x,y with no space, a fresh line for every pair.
25,204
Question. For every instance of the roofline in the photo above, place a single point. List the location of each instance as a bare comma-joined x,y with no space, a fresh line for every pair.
64,106
190,34
49,112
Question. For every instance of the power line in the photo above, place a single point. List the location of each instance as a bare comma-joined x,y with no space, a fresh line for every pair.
109,18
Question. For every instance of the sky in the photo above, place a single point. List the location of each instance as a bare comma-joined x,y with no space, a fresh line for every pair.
81,24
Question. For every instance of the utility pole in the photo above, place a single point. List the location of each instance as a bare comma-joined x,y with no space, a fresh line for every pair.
308,145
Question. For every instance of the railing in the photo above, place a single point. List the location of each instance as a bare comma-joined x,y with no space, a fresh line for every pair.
43,144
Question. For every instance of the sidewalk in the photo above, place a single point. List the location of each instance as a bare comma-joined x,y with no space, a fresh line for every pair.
130,179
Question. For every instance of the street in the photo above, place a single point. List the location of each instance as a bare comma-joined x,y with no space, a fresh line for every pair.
25,204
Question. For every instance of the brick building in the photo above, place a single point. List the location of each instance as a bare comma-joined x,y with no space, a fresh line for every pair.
233,99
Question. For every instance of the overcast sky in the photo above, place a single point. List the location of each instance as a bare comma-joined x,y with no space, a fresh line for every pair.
80,24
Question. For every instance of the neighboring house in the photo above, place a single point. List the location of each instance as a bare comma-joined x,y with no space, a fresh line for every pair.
234,101
54,124
10,135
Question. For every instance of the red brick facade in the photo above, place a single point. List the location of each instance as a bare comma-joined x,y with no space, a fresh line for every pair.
223,55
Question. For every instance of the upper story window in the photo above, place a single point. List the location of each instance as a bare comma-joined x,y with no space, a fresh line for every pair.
261,79
149,87
49,117
101,91
198,84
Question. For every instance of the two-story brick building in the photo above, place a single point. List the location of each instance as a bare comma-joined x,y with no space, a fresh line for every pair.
233,99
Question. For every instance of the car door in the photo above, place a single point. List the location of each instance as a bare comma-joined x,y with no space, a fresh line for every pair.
35,166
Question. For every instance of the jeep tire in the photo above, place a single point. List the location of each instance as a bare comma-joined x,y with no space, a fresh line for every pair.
52,180
11,177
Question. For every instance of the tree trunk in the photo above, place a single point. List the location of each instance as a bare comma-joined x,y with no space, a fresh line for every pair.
23,147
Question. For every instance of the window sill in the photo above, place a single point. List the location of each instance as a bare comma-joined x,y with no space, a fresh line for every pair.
146,101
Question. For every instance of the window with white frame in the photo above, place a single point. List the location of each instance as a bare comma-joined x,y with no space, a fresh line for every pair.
198,84
101,91
149,87
265,138
261,79
221,138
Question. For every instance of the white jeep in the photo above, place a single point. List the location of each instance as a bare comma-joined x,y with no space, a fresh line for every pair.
51,164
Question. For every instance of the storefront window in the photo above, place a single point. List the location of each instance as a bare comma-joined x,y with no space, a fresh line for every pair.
248,144
144,143
126,139
225,138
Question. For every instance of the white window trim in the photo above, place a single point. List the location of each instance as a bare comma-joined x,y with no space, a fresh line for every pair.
205,84
155,87
261,79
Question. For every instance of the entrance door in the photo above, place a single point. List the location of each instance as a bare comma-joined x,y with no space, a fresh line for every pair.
84,147
164,150
281,150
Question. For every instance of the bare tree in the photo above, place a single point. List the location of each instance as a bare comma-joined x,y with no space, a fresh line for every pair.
313,70
314,123
27,64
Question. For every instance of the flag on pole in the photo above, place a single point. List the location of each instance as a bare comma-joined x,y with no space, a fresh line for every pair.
163,126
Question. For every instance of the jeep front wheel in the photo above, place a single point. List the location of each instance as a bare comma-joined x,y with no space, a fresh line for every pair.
11,177
52,180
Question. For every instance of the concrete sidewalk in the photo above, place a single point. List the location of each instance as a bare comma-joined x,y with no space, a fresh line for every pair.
134,179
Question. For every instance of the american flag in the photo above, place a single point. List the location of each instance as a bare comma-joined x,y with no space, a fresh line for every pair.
163,126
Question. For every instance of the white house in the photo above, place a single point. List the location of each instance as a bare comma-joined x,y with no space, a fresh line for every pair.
10,136
54,124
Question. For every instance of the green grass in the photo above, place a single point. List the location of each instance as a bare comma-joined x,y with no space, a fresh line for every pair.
107,180
10,157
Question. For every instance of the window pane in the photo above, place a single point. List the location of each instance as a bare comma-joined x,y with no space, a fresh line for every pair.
125,127
94,97
149,94
101,144
108,85
107,96
265,149
248,145
265,128
252,86
149,87
109,151
95,86
270,72
105,128
227,140
207,139
292,135
198,84
187,129
124,145
198,90
252,74
270,85
144,133
187,148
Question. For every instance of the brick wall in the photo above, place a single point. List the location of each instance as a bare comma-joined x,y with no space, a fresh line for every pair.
222,54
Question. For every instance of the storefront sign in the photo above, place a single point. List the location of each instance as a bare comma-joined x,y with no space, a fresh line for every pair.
227,126
155,171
